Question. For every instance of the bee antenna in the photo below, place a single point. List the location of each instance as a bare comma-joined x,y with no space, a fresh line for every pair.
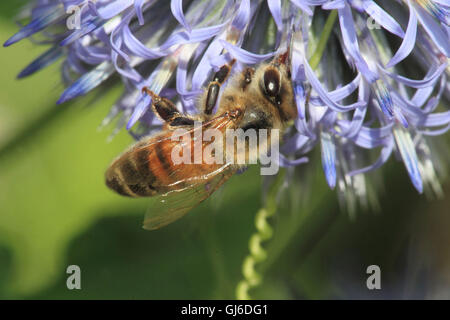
283,57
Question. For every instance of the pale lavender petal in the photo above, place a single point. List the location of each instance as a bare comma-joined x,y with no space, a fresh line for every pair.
328,152
243,15
294,143
86,28
421,96
204,67
384,156
300,99
383,18
275,9
436,132
87,82
408,41
285,162
177,10
110,9
46,59
434,30
351,43
343,92
245,56
51,15
138,4
359,114
303,6
143,103
335,4
408,153
324,95
370,138
429,80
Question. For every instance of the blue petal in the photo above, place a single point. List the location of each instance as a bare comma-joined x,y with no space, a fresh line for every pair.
434,30
181,78
359,114
384,98
243,15
343,92
408,42
275,10
285,162
300,99
138,4
324,95
245,56
138,48
178,38
295,143
400,117
204,67
340,93
36,25
303,6
422,95
202,34
370,138
429,80
87,82
436,132
110,9
176,6
86,28
383,18
335,4
384,156
408,153
43,61
435,119
351,43
328,152
304,128
142,105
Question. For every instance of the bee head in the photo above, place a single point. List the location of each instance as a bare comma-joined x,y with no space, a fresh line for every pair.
275,85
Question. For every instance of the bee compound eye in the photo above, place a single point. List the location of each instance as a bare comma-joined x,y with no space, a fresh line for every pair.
272,82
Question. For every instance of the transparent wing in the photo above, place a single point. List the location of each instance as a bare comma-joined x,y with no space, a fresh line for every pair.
175,204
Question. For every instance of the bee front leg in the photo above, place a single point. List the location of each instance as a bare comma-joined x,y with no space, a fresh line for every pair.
214,86
167,111
246,77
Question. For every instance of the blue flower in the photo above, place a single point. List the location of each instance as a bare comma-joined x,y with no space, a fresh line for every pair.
349,83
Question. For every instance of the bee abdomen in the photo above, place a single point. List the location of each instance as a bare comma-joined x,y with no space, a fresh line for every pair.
115,184
131,176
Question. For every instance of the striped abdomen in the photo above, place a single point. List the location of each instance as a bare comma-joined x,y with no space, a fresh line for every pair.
147,170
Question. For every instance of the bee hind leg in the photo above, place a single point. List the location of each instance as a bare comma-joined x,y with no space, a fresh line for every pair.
167,111
214,86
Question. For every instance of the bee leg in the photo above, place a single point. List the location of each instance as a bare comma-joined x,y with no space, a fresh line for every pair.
162,107
214,86
166,110
246,77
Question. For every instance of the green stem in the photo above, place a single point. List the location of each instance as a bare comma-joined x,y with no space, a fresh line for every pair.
318,52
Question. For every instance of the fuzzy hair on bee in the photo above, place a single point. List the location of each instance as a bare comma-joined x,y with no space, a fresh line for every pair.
254,99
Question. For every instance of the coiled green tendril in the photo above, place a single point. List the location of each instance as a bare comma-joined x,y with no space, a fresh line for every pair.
264,230
263,233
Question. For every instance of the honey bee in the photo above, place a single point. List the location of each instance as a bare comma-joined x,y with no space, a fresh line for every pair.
260,98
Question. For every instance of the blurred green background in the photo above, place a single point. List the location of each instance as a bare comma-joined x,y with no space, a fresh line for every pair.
55,211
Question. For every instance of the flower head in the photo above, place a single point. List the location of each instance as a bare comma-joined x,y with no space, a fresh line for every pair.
350,78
